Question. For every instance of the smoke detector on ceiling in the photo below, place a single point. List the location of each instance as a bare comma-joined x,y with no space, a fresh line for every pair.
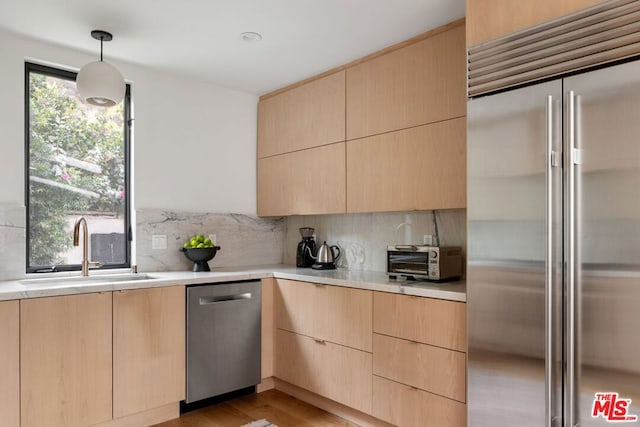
251,37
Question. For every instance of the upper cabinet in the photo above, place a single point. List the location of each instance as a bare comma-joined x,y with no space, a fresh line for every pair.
420,83
490,19
306,116
420,168
304,182
384,133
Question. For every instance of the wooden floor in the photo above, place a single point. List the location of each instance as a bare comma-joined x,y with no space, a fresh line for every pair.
272,405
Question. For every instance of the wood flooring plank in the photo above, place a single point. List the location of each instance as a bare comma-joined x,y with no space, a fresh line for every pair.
259,408
273,405
311,414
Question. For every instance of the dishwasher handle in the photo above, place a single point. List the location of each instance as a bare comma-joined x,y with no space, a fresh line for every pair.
224,298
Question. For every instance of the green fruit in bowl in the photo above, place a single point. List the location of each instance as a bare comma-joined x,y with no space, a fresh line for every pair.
200,238
207,242
186,245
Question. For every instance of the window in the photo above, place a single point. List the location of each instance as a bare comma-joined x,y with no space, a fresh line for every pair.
77,164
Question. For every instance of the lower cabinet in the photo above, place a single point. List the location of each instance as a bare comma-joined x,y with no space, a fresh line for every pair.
66,360
148,349
419,361
399,358
92,358
435,369
407,406
339,373
10,363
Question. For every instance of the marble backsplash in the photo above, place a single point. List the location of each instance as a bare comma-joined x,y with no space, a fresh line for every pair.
363,238
245,240
12,241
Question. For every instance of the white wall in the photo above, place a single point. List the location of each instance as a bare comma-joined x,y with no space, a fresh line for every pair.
194,146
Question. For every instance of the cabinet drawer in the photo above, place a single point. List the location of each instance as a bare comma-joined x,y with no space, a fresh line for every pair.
336,372
409,407
429,368
332,313
425,320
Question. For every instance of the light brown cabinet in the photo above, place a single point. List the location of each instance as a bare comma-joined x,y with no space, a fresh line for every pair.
406,406
419,168
419,361
333,371
490,19
148,349
268,328
417,84
303,182
307,116
304,167
66,360
10,363
331,313
324,340
434,369
425,320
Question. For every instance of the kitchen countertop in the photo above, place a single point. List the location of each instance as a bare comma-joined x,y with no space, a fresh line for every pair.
371,280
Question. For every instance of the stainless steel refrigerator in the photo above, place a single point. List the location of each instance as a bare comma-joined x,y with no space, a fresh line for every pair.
553,278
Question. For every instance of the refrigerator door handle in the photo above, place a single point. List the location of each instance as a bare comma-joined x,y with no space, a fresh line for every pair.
548,292
572,160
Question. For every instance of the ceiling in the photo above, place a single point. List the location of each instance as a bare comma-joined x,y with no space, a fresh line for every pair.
201,38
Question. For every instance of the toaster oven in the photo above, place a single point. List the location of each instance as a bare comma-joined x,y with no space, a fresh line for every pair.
436,263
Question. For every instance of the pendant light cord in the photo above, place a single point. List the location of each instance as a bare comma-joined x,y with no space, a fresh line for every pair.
101,40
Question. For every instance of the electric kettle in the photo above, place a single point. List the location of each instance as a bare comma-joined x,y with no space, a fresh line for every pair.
326,258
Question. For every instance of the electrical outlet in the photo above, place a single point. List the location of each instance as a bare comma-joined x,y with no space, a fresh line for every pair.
427,239
158,241
213,239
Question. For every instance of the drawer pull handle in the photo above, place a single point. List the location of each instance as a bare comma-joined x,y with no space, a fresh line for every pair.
319,341
224,298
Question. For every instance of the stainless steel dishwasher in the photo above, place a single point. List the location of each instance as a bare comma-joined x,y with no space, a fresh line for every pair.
223,338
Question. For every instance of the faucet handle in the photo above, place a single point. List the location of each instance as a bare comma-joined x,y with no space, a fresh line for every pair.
95,264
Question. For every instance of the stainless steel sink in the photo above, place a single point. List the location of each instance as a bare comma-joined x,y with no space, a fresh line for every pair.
86,280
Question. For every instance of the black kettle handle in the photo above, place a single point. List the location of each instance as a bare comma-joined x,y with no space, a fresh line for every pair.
335,257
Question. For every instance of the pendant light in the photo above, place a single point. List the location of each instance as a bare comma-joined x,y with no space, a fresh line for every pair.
100,83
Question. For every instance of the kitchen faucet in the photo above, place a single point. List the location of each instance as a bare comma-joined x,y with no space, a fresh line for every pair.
86,265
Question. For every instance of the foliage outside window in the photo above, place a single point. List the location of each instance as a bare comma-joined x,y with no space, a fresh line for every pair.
77,165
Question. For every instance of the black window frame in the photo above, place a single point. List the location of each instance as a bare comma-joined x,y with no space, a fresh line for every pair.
70,75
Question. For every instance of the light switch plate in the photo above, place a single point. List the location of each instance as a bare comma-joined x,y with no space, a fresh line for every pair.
158,241
427,239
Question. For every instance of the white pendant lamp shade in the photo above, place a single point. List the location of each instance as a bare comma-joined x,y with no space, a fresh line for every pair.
100,83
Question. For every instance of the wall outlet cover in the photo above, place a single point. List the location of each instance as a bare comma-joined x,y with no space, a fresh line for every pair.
213,239
158,241
427,239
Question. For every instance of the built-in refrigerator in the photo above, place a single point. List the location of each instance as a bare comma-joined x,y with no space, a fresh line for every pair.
553,278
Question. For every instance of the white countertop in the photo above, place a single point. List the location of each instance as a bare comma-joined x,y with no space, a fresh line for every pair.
371,280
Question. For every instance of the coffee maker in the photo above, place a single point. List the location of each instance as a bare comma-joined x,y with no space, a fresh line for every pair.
306,248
